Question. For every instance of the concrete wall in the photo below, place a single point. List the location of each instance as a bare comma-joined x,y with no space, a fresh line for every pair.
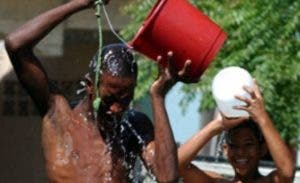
14,13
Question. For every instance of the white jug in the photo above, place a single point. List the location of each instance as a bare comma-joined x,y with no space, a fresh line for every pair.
226,85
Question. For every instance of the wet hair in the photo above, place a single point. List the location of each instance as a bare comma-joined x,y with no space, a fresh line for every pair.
117,60
250,124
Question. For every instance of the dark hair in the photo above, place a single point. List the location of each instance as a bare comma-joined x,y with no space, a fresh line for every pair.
117,60
252,125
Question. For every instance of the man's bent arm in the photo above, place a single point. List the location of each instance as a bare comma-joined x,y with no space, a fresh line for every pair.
20,43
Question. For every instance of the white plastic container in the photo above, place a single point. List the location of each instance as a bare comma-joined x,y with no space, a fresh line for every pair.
226,85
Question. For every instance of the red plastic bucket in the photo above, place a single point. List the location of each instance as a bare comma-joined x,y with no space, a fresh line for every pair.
176,25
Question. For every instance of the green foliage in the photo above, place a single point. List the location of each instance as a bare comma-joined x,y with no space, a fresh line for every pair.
263,37
138,10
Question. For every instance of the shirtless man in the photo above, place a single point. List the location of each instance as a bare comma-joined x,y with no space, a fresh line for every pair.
83,146
246,141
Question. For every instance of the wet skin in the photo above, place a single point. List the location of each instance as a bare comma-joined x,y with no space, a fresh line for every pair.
78,145
115,93
77,150
244,152
243,148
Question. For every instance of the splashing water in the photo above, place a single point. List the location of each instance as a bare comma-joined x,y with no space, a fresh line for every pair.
218,152
139,171
107,177
126,121
65,151
114,68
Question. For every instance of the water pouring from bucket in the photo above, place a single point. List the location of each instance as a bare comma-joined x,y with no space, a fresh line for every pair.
177,26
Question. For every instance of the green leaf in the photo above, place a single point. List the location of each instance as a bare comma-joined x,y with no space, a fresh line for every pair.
263,37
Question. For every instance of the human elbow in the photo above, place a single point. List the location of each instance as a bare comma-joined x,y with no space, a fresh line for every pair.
10,44
13,44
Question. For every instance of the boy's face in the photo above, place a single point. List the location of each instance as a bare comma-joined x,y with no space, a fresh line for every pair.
116,93
243,151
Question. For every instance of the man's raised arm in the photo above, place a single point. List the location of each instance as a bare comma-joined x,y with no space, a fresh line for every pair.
20,43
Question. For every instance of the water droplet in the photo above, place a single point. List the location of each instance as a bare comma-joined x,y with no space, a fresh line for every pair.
82,83
125,120
122,128
151,152
75,155
107,177
79,91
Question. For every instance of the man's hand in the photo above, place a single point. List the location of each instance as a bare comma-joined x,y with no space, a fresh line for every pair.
183,74
167,76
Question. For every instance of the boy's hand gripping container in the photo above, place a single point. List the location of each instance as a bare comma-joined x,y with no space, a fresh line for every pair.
228,83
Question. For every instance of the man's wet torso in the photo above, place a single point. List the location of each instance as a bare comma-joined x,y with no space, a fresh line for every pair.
76,151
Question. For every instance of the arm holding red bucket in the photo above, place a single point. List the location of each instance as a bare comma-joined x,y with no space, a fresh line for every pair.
164,163
178,26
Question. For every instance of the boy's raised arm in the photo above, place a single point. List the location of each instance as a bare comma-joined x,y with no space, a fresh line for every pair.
278,149
189,150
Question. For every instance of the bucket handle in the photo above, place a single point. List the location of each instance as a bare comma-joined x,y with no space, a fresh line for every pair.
112,28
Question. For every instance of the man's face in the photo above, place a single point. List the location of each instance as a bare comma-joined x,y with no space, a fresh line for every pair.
116,93
243,151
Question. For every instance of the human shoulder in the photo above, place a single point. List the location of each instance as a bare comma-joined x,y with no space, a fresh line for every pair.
58,104
141,125
138,118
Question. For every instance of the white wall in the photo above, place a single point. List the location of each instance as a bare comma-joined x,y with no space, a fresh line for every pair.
5,66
